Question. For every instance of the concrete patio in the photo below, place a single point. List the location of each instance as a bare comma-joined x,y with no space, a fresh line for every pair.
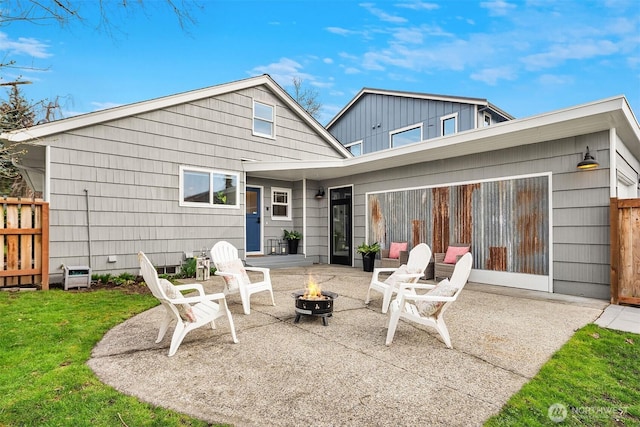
287,374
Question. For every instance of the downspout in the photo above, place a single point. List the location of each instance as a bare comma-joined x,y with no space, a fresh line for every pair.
304,216
613,160
86,192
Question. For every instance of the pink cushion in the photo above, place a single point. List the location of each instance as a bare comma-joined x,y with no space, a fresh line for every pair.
396,248
453,252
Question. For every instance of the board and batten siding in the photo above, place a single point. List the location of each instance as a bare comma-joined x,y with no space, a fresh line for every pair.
128,172
580,201
395,112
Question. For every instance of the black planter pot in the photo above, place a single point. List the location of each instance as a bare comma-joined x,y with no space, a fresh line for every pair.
293,246
368,261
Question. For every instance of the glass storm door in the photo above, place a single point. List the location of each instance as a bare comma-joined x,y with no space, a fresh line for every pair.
253,212
340,226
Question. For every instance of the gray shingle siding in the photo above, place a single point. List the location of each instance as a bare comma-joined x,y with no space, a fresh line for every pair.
130,169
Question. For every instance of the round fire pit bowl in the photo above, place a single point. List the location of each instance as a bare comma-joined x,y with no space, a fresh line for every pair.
321,307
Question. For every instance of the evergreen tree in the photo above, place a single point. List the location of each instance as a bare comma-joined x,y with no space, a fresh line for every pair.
15,113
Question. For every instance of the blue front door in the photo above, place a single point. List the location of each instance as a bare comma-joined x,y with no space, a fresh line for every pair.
253,212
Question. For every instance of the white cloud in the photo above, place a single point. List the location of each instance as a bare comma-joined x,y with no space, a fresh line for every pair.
453,55
24,46
348,56
351,70
282,71
491,76
559,53
408,35
285,70
555,80
419,5
382,15
339,31
323,85
497,7
327,61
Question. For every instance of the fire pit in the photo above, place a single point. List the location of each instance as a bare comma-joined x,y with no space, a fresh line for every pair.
314,302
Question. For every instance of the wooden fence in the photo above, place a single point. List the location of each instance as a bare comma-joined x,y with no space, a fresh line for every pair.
25,236
625,251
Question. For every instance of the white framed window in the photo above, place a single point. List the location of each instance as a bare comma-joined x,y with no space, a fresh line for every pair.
449,124
280,204
264,119
355,148
209,188
404,136
487,120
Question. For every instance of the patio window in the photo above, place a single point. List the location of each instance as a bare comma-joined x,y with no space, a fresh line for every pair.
208,188
263,119
281,204
355,148
406,136
449,124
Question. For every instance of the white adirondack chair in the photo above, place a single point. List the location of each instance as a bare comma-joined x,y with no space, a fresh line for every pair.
225,258
419,258
428,309
189,312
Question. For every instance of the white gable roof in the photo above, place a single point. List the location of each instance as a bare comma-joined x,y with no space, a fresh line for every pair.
89,119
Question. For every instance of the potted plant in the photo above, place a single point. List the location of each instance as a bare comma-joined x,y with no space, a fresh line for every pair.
369,253
293,238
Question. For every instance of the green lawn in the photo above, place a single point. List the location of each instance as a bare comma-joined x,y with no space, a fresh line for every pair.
45,340
593,380
47,337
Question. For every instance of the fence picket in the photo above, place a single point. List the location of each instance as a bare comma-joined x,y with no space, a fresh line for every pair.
24,233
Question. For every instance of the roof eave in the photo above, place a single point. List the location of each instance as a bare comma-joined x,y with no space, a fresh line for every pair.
416,95
102,116
583,119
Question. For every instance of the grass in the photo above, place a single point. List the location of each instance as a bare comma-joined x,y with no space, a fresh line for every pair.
47,337
595,376
45,340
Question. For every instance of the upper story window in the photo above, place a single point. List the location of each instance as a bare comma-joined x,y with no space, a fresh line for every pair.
280,203
208,188
449,124
355,148
264,118
405,136
487,120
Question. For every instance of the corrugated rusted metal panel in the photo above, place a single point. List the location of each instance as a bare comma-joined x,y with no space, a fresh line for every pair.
497,258
440,219
506,222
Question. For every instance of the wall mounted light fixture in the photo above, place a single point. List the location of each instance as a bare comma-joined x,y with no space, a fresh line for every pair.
589,161
320,193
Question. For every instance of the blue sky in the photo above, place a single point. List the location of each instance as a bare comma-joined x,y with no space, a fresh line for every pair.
526,57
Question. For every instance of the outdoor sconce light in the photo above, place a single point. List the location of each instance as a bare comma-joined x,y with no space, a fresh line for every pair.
320,194
589,161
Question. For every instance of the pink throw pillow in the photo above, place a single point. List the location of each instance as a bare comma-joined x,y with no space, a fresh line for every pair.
453,252
396,248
